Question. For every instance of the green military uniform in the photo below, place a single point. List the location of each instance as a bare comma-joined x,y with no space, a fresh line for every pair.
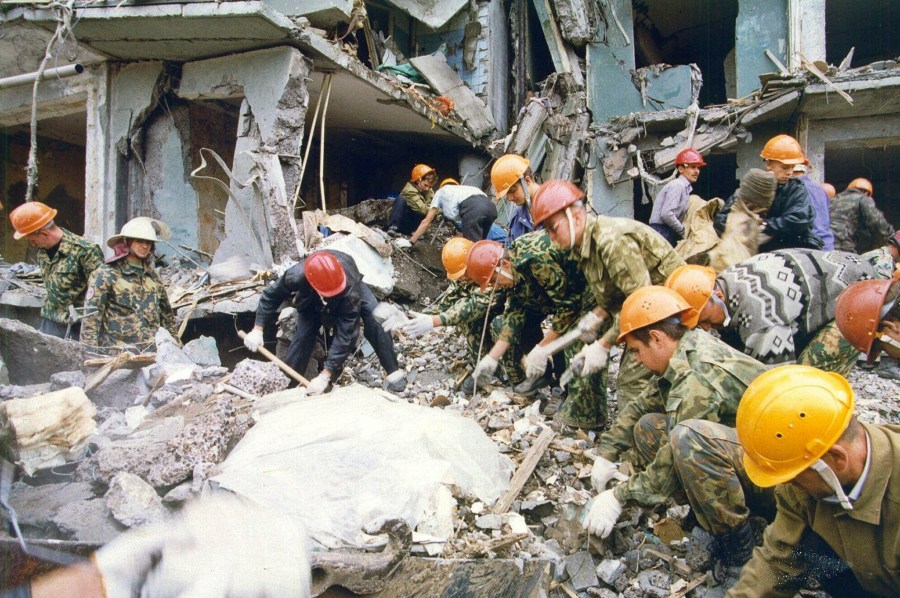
66,275
464,305
856,221
865,538
417,201
882,262
125,305
617,256
705,379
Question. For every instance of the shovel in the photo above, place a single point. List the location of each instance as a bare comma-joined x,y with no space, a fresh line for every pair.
284,367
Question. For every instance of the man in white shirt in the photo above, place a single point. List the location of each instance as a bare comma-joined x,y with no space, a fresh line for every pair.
468,207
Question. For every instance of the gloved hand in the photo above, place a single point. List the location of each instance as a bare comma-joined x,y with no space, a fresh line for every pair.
593,357
589,327
390,316
485,369
419,324
254,340
536,362
604,471
603,515
124,562
318,385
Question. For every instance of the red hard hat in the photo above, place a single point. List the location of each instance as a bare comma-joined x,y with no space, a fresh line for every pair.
857,312
29,217
552,197
484,257
689,156
325,274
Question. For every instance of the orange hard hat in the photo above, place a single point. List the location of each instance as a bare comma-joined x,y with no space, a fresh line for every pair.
420,171
484,258
784,149
649,305
829,190
506,172
325,274
448,181
694,283
29,217
454,255
552,197
857,313
689,156
863,185
788,418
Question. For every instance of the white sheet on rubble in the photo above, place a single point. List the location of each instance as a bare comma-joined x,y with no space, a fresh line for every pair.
377,271
343,461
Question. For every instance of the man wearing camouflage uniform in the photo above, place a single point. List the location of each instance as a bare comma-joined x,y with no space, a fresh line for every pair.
700,378
66,261
855,219
617,256
778,307
886,258
126,302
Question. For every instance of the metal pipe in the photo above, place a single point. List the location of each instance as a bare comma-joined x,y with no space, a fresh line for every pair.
58,72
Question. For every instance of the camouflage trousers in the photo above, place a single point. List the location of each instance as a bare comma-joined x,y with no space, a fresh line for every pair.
512,359
633,379
829,350
585,404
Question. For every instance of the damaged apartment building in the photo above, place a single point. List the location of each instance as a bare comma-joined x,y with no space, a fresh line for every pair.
231,120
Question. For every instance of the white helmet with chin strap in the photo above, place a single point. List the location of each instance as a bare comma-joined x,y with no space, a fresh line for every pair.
142,228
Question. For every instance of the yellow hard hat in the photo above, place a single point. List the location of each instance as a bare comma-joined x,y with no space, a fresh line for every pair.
506,172
788,418
454,255
448,181
695,284
649,305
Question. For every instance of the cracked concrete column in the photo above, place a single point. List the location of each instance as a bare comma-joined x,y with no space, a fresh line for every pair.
99,197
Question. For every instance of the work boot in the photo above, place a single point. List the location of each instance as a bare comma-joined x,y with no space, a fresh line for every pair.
566,415
395,382
736,547
889,368
532,385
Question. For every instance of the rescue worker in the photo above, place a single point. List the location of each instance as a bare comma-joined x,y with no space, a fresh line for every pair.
512,178
836,484
617,256
466,206
700,378
868,315
126,302
855,219
886,258
830,191
671,204
328,291
414,201
789,221
543,281
66,261
464,305
820,203
778,307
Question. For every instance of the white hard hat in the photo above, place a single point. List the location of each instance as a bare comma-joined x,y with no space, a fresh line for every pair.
143,228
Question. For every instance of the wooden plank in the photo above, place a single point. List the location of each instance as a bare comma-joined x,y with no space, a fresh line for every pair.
526,468
447,82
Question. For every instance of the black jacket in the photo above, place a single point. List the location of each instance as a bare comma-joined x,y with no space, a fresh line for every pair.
789,221
342,312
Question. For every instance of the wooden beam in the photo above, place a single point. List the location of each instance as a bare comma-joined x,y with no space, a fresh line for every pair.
526,467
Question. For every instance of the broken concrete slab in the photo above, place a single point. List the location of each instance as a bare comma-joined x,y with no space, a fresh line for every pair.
609,570
35,506
61,380
580,567
433,14
203,351
446,82
258,378
577,20
31,356
120,390
133,502
87,521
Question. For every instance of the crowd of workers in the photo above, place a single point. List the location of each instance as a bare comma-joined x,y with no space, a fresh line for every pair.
731,387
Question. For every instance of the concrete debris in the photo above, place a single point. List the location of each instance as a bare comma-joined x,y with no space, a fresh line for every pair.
134,502
37,505
120,390
61,380
580,568
203,352
30,355
258,377
87,521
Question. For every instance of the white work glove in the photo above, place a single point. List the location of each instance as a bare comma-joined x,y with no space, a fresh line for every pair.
536,362
603,515
390,316
419,324
593,358
604,471
402,243
125,562
589,327
318,385
254,340
485,369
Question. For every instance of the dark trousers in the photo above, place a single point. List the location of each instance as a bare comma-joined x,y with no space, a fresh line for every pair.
831,571
403,218
310,320
59,330
667,233
477,214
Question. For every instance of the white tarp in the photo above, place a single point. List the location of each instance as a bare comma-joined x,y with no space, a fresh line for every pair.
346,460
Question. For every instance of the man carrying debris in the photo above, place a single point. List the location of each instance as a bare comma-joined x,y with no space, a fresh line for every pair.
820,203
868,315
836,486
543,281
789,221
778,307
855,219
414,201
617,256
328,291
700,378
671,204
512,178
66,261
126,302
467,207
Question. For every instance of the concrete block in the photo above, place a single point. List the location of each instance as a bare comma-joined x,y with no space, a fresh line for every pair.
609,570
258,377
120,390
134,502
580,567
31,357
35,506
203,351
87,521
489,521
654,582
61,380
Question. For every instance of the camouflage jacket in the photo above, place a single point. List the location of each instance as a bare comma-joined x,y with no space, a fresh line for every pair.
882,262
856,221
705,379
464,304
416,200
125,305
66,274
548,282
619,255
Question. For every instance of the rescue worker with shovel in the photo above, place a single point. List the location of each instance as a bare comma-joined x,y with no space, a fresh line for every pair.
328,291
